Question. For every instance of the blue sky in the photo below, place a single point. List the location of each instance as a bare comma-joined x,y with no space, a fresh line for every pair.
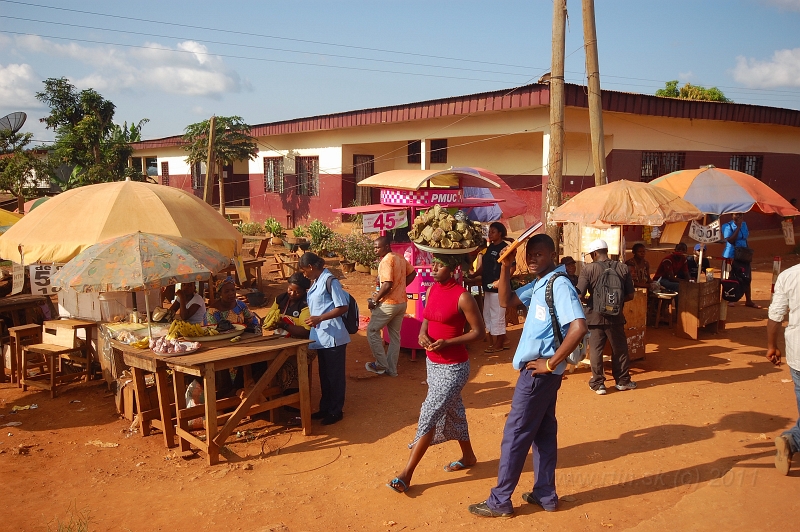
276,60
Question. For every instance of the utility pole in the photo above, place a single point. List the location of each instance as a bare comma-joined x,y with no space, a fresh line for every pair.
221,189
595,98
208,190
555,161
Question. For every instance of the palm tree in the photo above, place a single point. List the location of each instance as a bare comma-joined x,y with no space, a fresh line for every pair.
232,142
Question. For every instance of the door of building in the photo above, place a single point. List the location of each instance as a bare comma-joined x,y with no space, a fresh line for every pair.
363,167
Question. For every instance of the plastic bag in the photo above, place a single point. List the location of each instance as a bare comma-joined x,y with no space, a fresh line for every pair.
195,396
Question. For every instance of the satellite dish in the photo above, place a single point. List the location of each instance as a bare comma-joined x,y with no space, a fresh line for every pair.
12,122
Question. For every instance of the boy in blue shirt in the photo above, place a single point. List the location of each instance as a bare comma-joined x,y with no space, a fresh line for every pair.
541,363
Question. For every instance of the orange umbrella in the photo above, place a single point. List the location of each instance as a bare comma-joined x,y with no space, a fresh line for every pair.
626,203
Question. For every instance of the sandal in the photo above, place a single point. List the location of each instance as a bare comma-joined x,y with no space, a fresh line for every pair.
456,466
398,485
492,350
753,305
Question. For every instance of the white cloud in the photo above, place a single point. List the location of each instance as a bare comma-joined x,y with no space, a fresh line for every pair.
188,69
18,86
686,76
783,70
790,5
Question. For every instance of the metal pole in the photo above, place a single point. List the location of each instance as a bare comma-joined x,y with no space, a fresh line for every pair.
208,191
555,159
595,97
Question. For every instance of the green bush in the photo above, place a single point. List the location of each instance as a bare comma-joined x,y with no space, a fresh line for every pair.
359,248
271,225
250,228
299,231
320,233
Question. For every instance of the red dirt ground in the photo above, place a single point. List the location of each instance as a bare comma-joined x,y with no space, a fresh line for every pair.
691,449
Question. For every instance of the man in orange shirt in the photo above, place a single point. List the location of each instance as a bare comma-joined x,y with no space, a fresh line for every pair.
388,306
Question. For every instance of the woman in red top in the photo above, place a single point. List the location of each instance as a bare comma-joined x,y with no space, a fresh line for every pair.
442,417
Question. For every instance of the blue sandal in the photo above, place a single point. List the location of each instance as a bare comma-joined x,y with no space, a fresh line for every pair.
455,466
398,485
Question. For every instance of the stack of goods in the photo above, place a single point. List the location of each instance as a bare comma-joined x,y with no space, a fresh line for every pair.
164,346
185,329
436,228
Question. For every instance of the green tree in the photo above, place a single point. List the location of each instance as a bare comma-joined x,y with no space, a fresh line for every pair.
21,168
86,136
232,142
692,92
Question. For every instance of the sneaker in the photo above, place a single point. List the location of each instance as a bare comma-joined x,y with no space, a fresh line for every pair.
630,385
783,455
530,499
482,509
600,390
330,419
374,368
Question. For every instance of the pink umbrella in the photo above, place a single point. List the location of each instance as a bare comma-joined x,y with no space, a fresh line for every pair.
510,206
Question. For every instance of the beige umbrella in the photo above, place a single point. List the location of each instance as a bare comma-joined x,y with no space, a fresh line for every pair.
626,203
59,229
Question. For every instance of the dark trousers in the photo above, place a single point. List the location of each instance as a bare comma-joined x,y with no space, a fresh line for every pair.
531,424
332,379
619,353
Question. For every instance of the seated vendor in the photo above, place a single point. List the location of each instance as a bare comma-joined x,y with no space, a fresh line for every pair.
227,307
673,267
188,305
639,267
692,262
289,313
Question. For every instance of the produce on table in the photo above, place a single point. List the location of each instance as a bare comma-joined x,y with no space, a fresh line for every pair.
180,328
272,318
141,344
437,228
166,346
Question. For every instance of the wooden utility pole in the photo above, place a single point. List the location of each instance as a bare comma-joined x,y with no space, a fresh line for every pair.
208,191
221,190
595,98
555,160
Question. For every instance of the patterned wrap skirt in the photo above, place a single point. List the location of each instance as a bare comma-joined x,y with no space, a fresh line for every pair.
443,409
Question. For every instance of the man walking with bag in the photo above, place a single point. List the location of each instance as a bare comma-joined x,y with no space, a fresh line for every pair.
609,285
388,307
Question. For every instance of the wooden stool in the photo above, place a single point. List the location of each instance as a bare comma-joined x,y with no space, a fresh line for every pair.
669,298
20,336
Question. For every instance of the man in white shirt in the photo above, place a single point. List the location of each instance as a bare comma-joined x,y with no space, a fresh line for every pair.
786,299
188,305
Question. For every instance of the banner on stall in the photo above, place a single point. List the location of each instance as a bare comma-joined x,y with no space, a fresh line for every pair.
17,278
385,221
788,232
611,235
40,275
707,234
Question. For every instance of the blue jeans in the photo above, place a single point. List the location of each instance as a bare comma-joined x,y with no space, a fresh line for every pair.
793,434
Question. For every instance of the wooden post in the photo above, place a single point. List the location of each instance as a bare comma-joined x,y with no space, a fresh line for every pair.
208,191
221,189
595,99
555,159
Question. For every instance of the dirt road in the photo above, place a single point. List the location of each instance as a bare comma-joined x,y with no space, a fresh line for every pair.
690,449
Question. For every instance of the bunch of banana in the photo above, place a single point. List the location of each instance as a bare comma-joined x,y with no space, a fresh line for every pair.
271,318
141,344
185,329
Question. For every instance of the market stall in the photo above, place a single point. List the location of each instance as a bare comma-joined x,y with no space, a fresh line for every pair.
404,195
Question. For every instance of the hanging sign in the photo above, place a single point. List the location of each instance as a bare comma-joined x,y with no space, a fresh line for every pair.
17,278
385,221
788,232
40,275
611,235
708,234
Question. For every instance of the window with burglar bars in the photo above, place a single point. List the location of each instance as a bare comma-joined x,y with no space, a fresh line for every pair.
198,176
273,174
165,173
657,163
439,151
749,164
414,151
307,170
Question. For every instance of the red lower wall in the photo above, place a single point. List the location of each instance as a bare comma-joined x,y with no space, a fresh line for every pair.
290,208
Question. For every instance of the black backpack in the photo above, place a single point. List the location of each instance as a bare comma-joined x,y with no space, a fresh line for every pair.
350,318
609,293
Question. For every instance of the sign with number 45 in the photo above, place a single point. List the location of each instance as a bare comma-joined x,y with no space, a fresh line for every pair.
385,221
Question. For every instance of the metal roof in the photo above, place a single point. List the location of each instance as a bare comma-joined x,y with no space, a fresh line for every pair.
528,96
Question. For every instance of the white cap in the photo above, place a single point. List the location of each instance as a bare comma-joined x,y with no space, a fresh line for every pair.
597,244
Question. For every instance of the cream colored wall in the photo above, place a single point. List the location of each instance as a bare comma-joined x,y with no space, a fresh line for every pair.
177,165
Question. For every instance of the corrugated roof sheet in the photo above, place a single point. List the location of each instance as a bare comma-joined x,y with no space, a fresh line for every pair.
535,95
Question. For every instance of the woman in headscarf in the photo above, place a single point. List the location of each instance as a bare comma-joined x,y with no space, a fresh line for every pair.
442,416
227,307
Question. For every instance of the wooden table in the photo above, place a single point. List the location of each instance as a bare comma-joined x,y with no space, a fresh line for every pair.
18,304
206,362
143,361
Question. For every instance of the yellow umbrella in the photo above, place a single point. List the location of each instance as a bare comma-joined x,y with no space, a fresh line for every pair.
626,203
8,218
59,229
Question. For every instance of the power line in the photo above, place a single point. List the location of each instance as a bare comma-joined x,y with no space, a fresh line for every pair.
161,49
